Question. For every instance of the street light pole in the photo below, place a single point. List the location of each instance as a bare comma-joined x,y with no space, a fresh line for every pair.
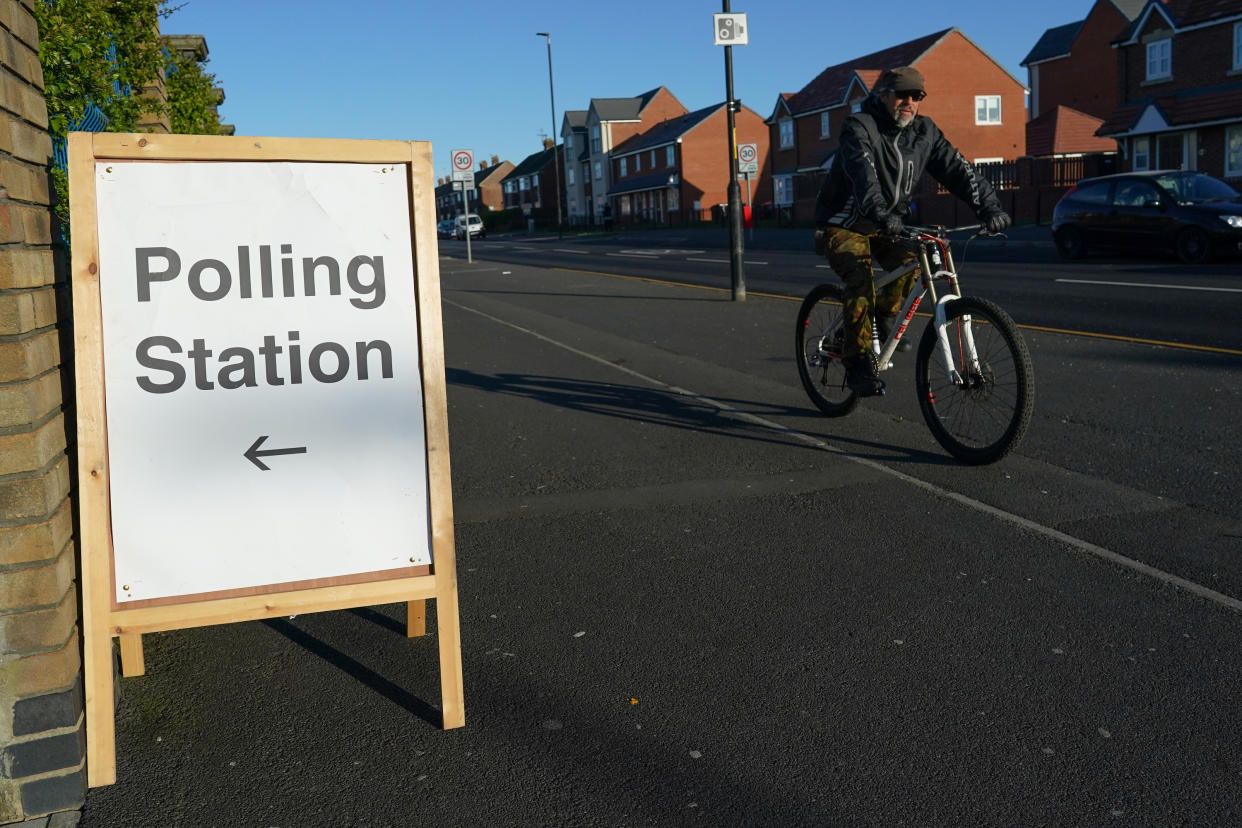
556,165
735,193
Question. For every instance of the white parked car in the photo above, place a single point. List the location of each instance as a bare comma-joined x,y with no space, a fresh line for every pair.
474,223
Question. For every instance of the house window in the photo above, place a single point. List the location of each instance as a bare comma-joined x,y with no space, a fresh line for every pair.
784,189
1142,154
672,199
856,105
523,183
624,171
534,180
599,171
569,176
825,130
1160,59
638,163
569,144
670,156
1233,151
595,142
1237,45
653,159
786,127
987,109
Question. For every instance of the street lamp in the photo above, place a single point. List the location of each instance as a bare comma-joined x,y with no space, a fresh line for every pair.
556,165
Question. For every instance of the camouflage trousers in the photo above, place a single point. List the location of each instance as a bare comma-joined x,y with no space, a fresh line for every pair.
850,254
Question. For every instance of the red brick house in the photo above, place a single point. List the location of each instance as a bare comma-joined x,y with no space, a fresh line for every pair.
1180,67
678,170
1063,131
978,105
486,195
531,185
608,123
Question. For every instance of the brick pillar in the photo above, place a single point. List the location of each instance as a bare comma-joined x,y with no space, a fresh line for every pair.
41,721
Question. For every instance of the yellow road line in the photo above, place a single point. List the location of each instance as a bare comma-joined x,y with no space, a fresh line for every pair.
1043,329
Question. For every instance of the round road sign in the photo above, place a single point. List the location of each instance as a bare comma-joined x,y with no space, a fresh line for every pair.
463,160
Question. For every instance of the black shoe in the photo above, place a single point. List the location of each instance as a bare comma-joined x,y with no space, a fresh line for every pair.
862,378
884,323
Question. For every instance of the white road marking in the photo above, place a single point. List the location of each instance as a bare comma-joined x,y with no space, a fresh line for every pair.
567,250
1148,285
723,261
632,255
931,488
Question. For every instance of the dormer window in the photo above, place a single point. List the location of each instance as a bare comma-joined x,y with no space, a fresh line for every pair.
1160,59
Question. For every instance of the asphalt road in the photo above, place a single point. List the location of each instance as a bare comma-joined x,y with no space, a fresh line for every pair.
687,598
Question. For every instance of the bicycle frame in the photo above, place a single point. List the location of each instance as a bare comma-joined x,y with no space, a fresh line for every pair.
935,261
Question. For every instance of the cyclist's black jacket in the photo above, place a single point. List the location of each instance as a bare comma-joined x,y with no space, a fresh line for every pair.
877,165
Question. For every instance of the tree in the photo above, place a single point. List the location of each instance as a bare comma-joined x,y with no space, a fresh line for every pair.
192,97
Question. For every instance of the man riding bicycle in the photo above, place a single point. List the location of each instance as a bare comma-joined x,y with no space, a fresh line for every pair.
883,152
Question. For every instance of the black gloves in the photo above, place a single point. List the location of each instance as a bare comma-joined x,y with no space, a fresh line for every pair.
996,221
892,225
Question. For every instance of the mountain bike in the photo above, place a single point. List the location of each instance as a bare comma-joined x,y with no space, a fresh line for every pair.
972,374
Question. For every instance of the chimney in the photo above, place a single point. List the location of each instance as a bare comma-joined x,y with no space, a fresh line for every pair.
495,160
547,143
482,164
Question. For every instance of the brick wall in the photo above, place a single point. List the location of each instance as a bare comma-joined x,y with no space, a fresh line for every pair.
41,723
1087,79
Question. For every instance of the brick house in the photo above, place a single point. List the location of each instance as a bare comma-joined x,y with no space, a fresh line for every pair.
609,122
487,193
1180,67
978,105
531,185
678,170
1072,75
578,192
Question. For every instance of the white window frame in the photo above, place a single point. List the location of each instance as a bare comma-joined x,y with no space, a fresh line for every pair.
595,139
1140,148
825,125
1233,150
569,176
782,188
653,161
638,163
670,156
856,106
599,173
786,129
623,172
1160,59
534,181
523,183
984,103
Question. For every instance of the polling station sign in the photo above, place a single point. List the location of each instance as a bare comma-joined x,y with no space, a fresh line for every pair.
262,419
264,395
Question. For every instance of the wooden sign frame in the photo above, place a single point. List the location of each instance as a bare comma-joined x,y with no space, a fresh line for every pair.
102,616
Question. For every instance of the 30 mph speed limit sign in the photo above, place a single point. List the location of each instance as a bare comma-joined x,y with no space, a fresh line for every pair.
463,164
748,158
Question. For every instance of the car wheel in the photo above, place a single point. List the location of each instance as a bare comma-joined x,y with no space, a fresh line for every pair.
1193,246
1070,243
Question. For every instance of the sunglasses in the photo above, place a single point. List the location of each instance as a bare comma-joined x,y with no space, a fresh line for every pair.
914,96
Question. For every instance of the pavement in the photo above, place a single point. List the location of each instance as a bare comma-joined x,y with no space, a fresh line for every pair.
686,599
766,238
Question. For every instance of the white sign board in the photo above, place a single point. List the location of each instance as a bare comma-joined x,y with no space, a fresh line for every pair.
463,165
748,158
264,396
731,29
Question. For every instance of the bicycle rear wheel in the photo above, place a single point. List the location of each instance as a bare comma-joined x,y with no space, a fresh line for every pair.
819,336
977,411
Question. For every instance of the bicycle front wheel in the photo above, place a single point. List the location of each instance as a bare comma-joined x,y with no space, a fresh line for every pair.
977,405
819,336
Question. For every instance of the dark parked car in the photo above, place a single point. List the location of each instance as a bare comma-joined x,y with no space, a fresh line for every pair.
1192,214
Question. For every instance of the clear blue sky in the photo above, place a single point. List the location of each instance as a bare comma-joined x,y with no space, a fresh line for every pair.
473,75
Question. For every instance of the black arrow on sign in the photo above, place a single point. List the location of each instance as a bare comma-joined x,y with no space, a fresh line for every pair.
253,454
